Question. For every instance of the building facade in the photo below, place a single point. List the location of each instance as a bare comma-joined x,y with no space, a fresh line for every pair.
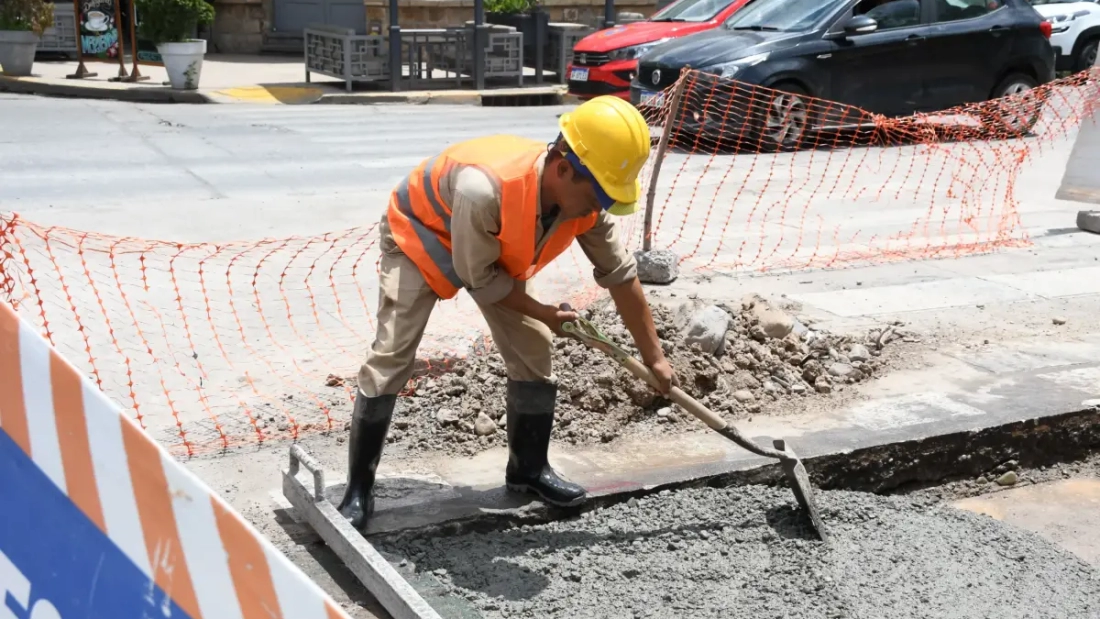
255,26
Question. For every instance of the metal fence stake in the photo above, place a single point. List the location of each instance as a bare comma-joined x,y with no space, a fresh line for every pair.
662,145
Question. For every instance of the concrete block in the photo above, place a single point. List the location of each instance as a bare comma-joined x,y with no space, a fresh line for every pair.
1089,221
659,266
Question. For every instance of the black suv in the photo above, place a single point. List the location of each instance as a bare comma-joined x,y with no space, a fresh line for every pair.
891,57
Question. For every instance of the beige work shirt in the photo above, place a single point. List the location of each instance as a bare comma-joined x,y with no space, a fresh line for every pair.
475,222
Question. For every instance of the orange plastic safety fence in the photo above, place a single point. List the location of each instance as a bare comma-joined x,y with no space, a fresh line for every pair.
215,345
760,178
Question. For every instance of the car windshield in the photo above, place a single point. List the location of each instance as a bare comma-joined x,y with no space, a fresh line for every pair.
691,10
782,15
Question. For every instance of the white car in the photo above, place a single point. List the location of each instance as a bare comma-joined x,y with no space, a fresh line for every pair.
1075,31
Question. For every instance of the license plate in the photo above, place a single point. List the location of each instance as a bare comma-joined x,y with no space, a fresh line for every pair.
652,98
579,75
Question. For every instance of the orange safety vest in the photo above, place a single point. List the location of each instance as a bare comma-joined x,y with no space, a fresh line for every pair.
421,222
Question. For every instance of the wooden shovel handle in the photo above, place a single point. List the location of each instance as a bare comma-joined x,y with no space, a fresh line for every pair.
685,401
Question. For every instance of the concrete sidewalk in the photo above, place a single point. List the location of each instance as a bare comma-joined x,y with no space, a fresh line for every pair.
271,80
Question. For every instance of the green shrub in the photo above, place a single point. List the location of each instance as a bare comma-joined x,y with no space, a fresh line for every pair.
171,21
33,15
510,7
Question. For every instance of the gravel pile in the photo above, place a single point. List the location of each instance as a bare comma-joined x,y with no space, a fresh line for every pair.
739,361
745,553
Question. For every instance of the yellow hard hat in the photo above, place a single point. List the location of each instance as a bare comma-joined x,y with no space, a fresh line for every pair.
611,139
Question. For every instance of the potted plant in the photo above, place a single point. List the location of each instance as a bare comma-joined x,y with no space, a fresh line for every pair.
526,16
22,23
170,25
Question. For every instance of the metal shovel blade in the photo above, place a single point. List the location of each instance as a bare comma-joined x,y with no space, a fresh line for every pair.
800,484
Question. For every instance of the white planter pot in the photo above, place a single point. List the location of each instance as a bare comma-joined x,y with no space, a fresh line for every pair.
17,49
183,61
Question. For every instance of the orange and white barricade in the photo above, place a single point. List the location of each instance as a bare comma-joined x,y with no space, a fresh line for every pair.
97,520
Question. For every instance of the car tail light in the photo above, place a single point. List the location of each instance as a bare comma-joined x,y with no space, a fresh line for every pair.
1044,27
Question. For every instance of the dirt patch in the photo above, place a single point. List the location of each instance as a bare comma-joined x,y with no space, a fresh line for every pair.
739,360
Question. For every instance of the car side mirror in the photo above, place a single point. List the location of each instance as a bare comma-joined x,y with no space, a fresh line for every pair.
860,24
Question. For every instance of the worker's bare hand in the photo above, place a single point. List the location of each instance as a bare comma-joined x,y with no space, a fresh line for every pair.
666,376
553,317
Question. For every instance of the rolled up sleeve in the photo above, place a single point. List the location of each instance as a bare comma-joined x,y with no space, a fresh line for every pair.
603,246
475,222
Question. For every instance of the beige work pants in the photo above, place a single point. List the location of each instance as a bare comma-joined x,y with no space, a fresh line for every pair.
405,302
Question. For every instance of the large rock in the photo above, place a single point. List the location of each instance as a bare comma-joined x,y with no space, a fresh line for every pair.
658,266
775,323
858,352
707,328
446,416
840,369
484,425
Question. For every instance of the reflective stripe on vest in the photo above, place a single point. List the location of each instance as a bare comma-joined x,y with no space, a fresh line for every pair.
438,253
421,222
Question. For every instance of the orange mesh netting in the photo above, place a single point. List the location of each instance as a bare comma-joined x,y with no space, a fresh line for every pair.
215,345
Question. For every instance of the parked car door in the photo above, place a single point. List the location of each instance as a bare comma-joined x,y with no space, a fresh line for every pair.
968,42
880,71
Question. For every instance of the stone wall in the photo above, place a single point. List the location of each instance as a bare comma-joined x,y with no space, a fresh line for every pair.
240,26
441,13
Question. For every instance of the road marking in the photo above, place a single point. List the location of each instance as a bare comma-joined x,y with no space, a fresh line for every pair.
274,95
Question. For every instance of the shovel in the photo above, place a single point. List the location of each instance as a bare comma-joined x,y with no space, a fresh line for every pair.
587,333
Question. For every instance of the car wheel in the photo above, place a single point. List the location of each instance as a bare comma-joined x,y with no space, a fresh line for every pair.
1086,57
784,119
1015,105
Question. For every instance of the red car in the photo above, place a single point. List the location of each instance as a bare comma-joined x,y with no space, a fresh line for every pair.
604,62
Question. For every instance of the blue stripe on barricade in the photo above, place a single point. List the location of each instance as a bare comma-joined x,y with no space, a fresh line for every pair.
52,555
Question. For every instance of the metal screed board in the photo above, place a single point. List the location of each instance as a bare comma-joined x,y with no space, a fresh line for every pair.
393,592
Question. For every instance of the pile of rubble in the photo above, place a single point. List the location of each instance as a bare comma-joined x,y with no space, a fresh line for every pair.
738,361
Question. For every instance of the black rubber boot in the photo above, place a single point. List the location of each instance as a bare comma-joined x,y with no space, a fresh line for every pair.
530,411
369,424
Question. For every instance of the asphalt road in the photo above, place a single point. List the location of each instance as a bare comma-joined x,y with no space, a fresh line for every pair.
212,173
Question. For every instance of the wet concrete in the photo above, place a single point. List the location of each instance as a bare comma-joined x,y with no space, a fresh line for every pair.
745,552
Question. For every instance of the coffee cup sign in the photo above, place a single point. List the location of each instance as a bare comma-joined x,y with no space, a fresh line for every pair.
97,21
99,36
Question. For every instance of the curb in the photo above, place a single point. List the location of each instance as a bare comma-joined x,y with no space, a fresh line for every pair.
138,94
34,86
411,99
486,99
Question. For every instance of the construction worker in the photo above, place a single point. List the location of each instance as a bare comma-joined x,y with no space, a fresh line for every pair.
486,215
